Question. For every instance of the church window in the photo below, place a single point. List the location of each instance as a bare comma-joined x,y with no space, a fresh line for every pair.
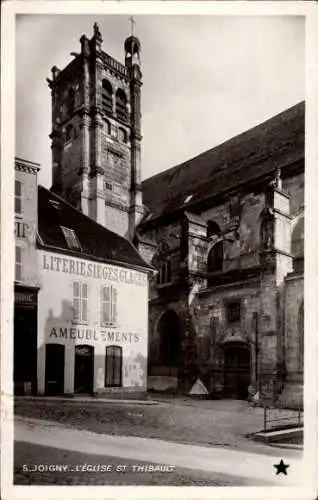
297,245
215,256
71,100
164,273
107,127
233,311
71,238
107,97
121,105
122,135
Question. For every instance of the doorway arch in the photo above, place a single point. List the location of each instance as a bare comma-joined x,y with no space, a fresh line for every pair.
84,369
169,338
236,370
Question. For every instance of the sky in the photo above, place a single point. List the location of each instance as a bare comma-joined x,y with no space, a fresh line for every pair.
205,78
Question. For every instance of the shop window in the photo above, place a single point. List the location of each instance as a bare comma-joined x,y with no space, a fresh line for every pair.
113,366
107,97
18,198
18,263
122,135
80,301
233,310
108,305
71,238
164,273
121,105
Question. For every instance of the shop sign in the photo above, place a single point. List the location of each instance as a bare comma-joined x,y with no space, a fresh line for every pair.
29,298
94,335
21,229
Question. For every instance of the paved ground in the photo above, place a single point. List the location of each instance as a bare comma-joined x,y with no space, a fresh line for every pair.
40,442
222,423
116,471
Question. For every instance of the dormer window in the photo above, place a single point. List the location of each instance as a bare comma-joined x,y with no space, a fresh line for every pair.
56,204
71,238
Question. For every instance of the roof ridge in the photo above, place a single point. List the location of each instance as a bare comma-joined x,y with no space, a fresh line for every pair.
175,168
94,223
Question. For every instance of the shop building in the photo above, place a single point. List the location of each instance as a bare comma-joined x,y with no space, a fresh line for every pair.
92,305
26,283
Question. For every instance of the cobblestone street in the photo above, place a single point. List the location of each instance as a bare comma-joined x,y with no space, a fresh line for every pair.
207,423
199,425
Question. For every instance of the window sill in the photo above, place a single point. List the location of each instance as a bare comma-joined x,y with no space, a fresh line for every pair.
79,322
108,325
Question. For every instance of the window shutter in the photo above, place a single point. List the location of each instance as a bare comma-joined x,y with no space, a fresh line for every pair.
84,300
114,305
76,299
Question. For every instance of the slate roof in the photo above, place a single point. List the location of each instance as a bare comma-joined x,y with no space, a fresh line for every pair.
97,242
278,141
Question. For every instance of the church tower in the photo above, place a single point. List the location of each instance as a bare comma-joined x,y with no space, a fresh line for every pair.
96,134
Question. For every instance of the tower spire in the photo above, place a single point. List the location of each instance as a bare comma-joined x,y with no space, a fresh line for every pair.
132,23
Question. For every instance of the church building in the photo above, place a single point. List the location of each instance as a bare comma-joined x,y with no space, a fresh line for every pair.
224,230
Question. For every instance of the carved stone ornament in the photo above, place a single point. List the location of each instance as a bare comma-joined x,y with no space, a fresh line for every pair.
267,229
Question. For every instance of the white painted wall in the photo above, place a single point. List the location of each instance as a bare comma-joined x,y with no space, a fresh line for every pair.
55,314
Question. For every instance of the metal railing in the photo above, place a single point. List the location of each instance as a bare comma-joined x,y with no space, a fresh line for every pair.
290,418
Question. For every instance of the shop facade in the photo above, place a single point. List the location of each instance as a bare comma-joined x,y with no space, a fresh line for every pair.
26,283
92,314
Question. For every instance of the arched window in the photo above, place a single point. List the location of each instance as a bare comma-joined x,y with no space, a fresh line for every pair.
215,256
164,273
107,127
121,105
107,97
113,366
297,245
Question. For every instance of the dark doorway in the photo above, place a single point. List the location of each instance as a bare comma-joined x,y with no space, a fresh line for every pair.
169,341
236,371
54,369
25,350
84,369
113,367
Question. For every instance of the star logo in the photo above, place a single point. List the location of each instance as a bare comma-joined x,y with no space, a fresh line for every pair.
281,467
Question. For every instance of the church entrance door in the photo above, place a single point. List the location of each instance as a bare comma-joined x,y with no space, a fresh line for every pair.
236,371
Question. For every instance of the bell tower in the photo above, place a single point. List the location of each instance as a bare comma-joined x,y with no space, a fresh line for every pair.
96,134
